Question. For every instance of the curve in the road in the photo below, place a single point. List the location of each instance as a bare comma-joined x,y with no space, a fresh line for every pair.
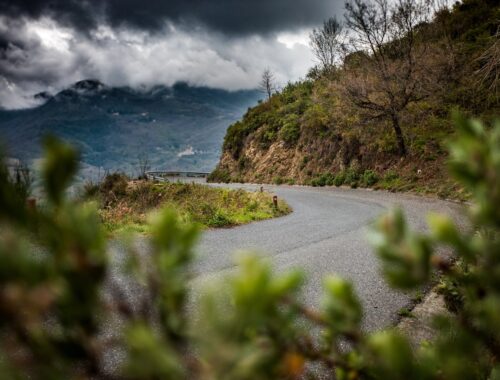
325,234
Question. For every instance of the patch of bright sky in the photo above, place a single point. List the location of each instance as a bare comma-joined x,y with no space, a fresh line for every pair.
290,39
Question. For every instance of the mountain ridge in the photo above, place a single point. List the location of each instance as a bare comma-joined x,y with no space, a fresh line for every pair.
115,126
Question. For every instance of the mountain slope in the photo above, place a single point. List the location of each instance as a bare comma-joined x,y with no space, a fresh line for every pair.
311,133
179,127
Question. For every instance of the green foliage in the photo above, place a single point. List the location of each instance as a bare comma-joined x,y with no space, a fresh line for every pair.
219,175
390,180
405,254
290,132
472,283
325,179
342,309
14,197
60,304
369,178
351,177
59,168
113,186
219,219
278,117
339,179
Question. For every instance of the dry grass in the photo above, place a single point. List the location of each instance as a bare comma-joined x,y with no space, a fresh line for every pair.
125,205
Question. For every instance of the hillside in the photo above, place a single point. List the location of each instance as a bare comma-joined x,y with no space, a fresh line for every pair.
312,132
179,127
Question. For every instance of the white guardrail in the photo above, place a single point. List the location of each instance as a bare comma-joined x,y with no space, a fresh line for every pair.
163,175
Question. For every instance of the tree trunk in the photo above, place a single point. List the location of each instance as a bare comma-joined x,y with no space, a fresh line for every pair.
399,136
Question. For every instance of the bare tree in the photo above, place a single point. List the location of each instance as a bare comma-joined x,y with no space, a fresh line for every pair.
489,73
327,43
267,84
387,74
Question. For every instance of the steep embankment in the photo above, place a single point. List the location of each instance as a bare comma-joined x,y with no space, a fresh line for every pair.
311,133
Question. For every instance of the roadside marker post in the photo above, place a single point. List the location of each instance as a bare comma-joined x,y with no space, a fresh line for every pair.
31,203
275,201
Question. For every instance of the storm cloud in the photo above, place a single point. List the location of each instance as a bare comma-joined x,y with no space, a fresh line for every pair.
46,45
236,17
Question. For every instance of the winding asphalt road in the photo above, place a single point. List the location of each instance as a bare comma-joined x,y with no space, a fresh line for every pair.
325,234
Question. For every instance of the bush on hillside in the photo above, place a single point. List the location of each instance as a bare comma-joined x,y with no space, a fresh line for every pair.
351,177
290,132
325,179
369,178
339,179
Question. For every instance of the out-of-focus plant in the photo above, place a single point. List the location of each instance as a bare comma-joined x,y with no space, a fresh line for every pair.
63,315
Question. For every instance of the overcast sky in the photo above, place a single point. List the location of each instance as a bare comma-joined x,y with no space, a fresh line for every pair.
49,44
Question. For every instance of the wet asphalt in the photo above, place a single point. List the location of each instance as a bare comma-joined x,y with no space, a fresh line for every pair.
325,234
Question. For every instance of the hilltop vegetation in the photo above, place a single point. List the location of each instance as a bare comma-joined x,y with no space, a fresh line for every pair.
124,204
316,131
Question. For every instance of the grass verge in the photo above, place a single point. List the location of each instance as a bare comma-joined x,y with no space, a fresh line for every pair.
124,204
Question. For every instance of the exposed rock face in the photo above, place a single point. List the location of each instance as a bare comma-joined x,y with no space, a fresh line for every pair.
310,157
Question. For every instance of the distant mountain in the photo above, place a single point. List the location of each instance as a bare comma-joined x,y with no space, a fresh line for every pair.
179,127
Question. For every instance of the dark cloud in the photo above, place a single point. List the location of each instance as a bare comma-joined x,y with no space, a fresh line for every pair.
234,17
49,44
42,55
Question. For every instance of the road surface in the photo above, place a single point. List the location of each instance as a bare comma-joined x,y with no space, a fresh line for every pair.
325,234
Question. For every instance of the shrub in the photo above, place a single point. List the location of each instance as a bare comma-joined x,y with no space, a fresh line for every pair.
278,180
339,179
243,163
325,179
115,183
369,178
57,301
329,179
290,132
219,175
90,189
219,219
351,177
390,176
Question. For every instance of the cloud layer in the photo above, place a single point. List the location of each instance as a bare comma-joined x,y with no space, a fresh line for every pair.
217,43
43,55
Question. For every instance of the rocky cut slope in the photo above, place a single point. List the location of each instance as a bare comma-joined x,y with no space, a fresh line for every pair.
313,133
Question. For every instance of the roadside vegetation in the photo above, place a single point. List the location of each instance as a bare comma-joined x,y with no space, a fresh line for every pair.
378,102
63,317
124,204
